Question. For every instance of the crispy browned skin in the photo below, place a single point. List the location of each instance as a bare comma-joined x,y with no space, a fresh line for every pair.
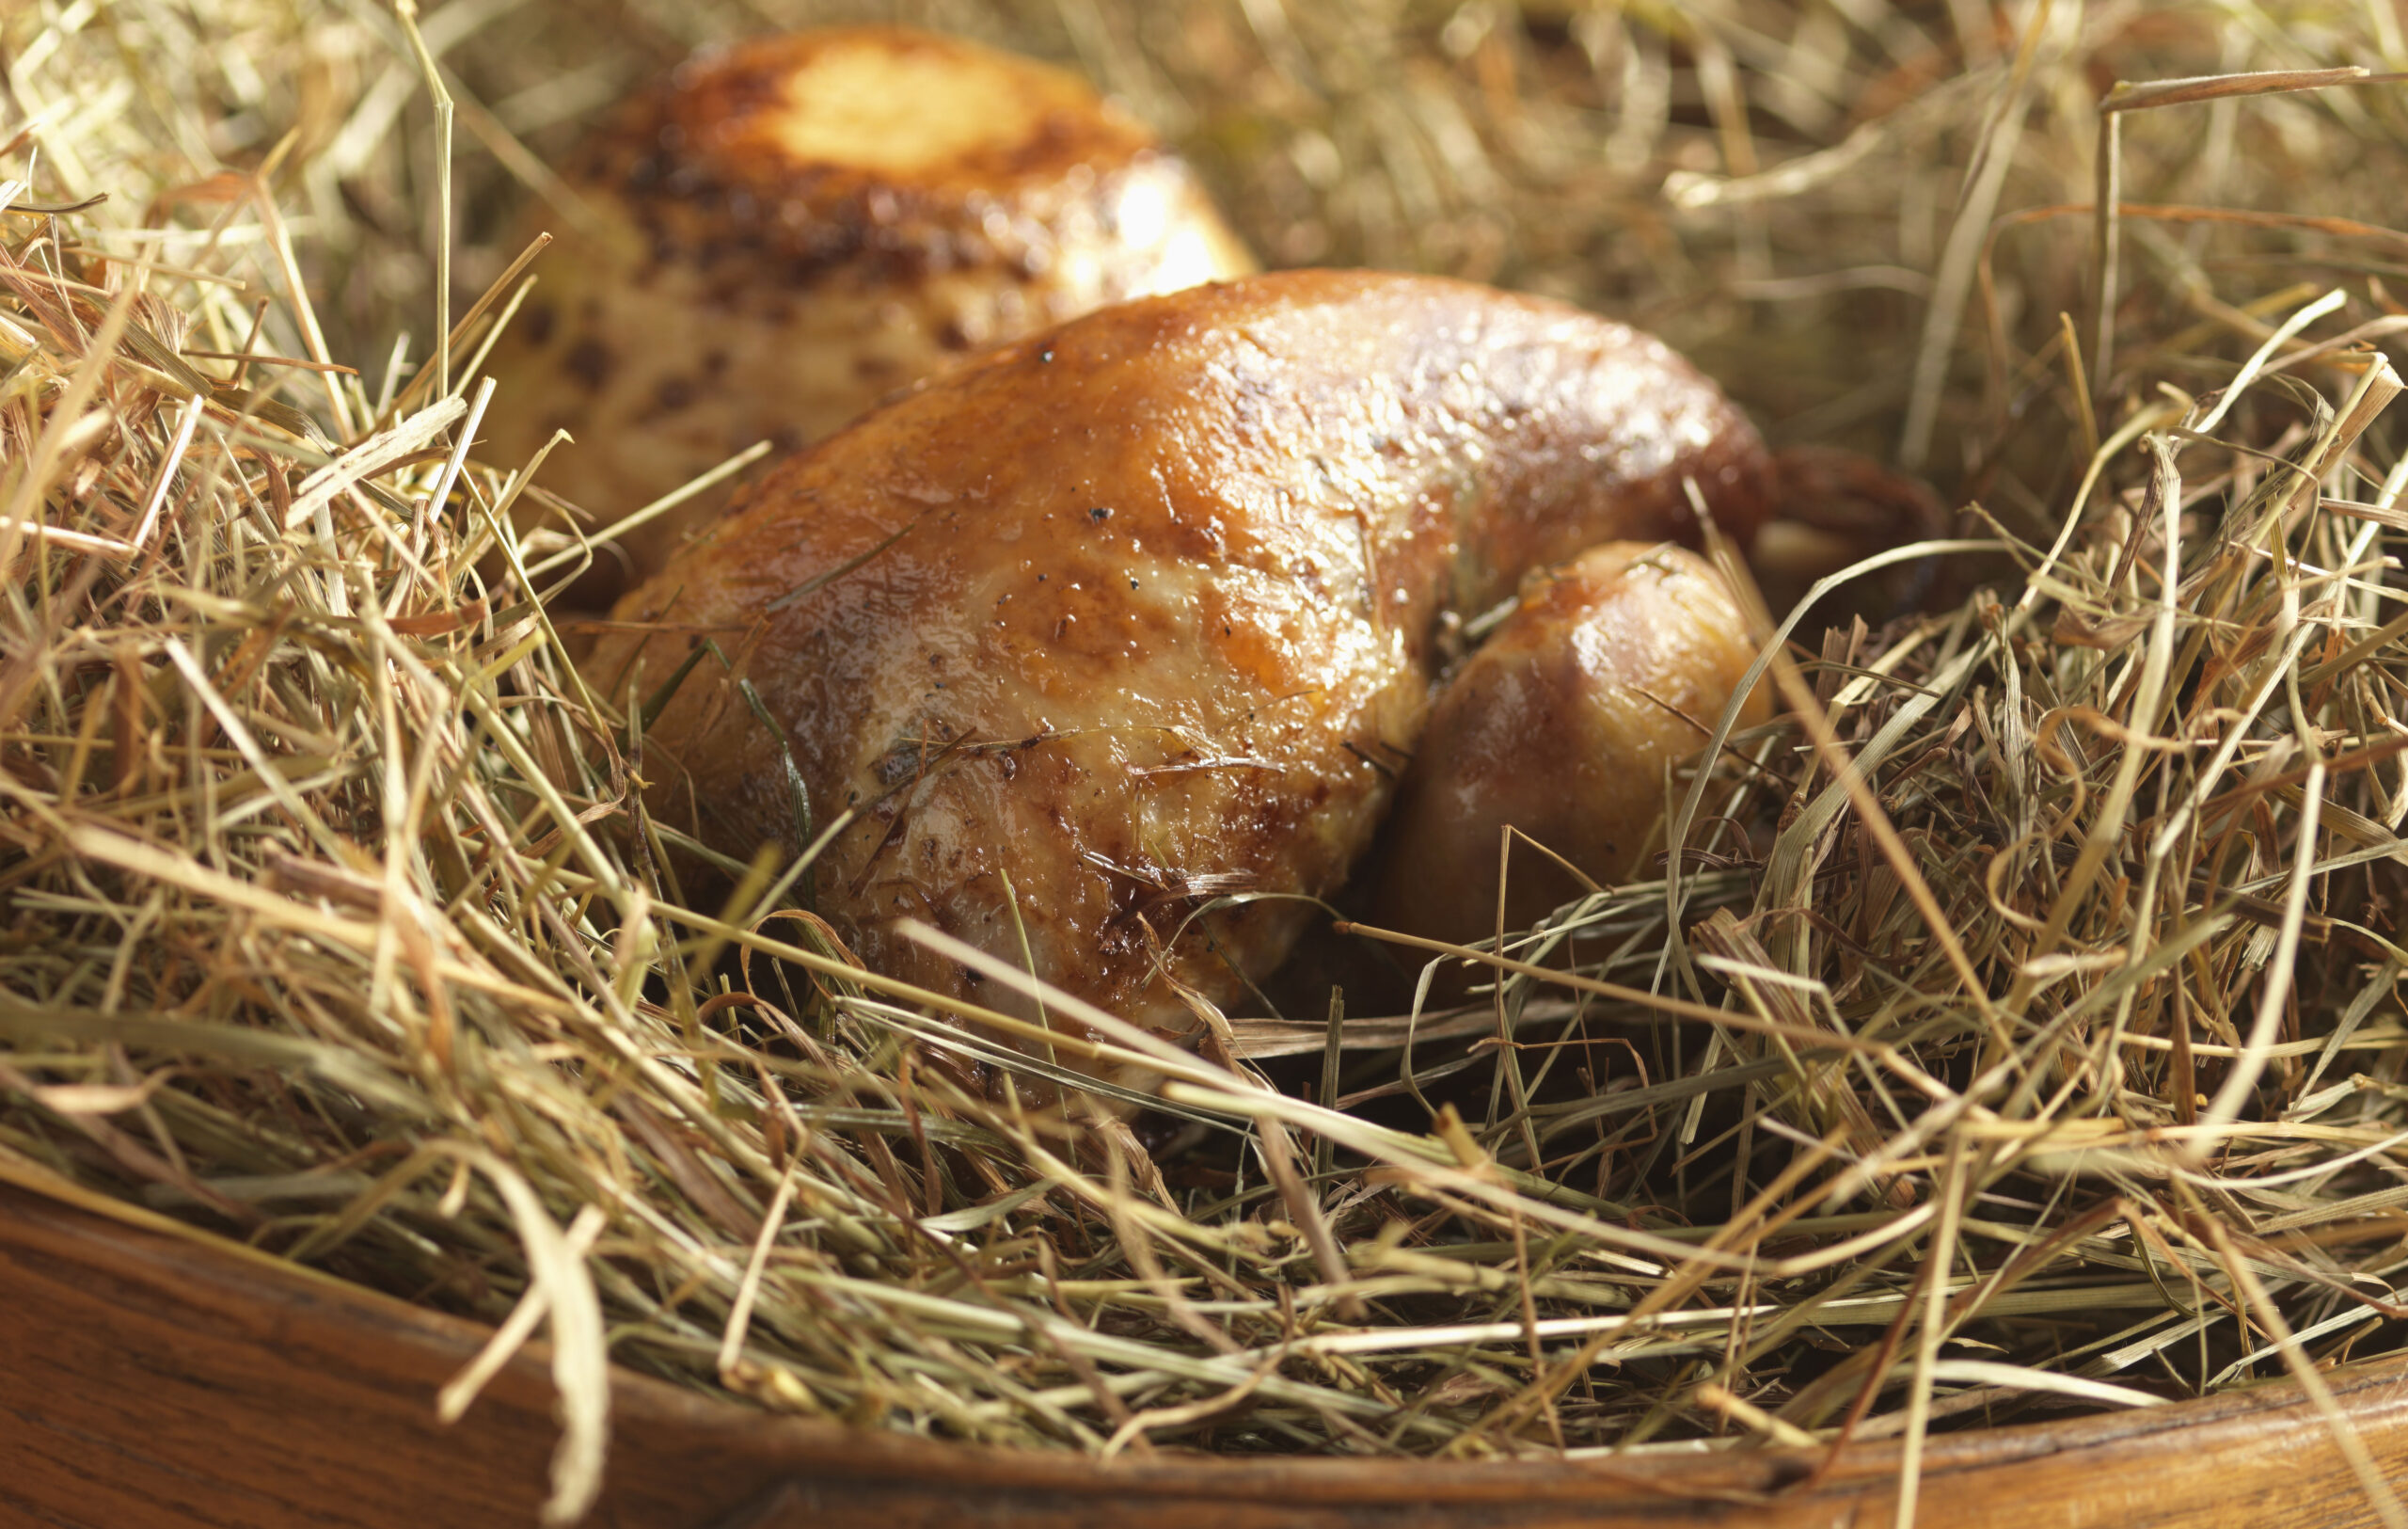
1614,668
786,232
1143,612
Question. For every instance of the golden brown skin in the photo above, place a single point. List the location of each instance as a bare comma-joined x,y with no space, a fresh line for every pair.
1613,669
1143,612
792,229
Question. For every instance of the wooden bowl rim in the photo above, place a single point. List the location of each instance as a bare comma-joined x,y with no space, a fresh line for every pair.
44,1218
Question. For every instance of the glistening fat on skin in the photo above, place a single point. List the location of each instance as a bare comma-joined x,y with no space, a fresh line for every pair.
1209,689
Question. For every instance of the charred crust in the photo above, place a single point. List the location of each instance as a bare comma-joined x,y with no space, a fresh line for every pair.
703,189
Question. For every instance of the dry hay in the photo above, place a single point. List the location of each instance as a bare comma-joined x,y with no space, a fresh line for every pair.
2015,1026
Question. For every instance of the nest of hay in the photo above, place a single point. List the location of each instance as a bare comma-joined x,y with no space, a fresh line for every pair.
2015,1023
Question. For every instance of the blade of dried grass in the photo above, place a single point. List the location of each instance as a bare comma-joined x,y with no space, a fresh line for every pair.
2384,1502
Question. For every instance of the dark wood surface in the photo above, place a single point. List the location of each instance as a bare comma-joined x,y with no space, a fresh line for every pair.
150,1376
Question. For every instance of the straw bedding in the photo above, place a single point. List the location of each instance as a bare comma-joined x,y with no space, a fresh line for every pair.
2013,1024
